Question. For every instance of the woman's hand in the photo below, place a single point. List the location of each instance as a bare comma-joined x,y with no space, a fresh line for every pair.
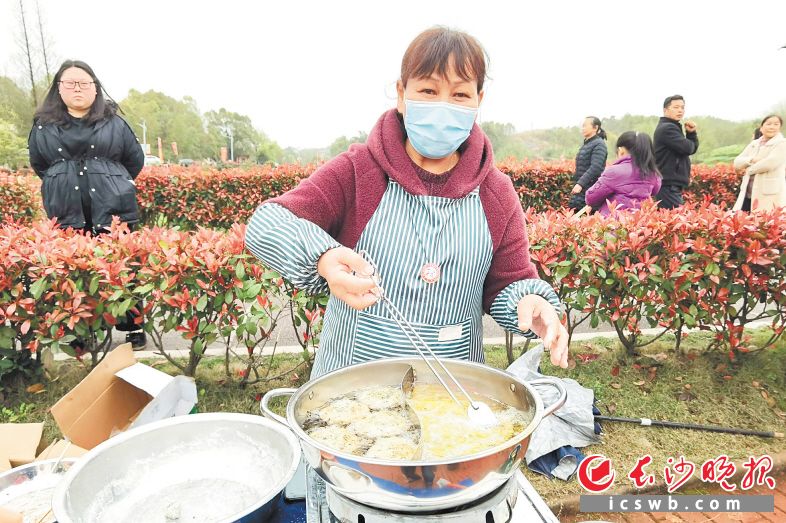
348,276
577,189
538,315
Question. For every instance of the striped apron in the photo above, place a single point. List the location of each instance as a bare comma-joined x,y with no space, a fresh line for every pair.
406,232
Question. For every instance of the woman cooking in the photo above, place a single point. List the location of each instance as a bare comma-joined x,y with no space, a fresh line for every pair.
423,200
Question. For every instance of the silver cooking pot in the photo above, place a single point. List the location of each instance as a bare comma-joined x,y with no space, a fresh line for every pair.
31,486
218,467
414,486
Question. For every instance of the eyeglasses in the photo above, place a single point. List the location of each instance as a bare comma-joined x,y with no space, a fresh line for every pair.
70,84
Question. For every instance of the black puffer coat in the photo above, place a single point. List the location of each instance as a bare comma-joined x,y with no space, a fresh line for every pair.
107,169
590,163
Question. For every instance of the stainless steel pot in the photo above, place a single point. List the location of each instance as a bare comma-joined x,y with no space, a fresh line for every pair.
31,486
217,467
414,486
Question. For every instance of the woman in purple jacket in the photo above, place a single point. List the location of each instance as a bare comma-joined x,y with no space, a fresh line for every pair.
630,180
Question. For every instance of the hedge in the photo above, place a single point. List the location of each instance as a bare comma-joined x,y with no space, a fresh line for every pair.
58,287
698,266
192,197
701,266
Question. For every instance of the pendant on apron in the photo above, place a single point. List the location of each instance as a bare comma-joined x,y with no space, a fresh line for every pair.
430,273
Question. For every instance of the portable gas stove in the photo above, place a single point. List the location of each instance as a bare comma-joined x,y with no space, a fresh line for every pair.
515,502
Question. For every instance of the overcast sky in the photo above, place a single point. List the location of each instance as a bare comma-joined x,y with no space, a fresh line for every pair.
308,72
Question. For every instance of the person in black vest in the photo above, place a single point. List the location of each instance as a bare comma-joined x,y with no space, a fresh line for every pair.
590,161
87,157
672,152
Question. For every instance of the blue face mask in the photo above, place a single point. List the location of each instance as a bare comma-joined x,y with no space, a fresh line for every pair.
437,129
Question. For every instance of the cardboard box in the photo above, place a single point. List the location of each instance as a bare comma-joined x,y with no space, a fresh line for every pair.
120,394
19,442
4,464
55,450
9,516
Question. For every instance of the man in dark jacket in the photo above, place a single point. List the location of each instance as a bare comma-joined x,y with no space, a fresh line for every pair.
672,152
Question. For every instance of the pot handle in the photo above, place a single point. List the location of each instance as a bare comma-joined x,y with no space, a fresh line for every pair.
264,405
557,384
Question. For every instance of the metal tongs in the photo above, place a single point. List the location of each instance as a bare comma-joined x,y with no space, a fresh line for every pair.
478,412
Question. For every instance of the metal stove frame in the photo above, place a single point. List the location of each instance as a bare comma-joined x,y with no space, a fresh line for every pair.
528,507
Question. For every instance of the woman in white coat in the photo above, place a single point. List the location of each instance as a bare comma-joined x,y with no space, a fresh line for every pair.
763,165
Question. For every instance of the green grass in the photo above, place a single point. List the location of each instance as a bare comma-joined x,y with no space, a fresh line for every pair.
733,401
216,392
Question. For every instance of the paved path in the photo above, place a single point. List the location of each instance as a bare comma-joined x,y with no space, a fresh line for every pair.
493,334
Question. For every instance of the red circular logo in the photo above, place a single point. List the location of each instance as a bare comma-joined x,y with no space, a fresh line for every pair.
594,471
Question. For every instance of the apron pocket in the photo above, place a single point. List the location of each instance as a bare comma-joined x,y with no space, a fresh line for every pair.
379,337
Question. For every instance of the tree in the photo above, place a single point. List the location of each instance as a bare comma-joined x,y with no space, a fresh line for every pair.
13,148
18,106
719,138
303,156
503,140
46,52
342,143
268,150
197,136
171,120
24,42
247,141
497,132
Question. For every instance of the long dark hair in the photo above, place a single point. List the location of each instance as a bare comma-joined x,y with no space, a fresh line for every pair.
641,150
597,123
53,109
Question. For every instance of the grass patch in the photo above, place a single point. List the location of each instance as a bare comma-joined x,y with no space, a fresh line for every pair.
217,393
703,388
720,392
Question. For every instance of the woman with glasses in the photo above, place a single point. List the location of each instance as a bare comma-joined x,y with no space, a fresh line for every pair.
87,157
